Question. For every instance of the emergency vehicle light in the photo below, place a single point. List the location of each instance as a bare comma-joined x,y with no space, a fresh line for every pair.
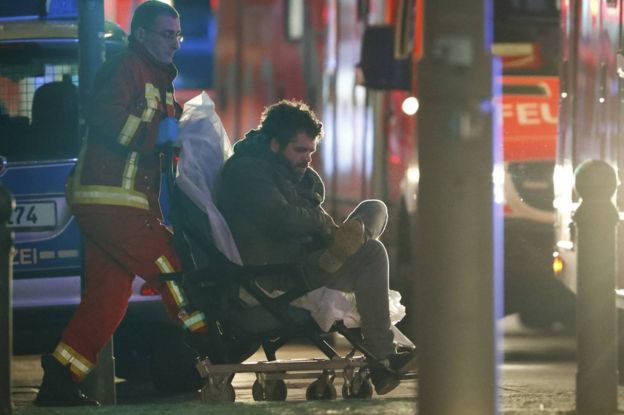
56,9
62,9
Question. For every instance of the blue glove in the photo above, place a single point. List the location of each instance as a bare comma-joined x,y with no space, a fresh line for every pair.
167,131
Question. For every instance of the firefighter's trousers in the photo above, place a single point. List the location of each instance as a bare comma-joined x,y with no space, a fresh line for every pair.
119,244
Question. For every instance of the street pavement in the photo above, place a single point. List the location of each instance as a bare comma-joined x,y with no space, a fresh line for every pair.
537,377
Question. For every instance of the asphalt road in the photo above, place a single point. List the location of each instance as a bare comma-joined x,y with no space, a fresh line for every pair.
27,375
537,377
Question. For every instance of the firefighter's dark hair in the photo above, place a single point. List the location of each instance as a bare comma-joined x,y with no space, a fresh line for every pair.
147,12
287,118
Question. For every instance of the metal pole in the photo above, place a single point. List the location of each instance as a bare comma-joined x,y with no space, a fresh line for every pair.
596,221
238,71
100,384
460,238
6,308
91,45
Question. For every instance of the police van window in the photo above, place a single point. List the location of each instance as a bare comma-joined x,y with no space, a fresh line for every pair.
38,92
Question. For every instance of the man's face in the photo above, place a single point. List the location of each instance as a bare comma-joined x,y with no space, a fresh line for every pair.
162,40
298,153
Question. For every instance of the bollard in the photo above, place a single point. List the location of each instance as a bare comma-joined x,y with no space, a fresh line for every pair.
596,219
6,310
100,384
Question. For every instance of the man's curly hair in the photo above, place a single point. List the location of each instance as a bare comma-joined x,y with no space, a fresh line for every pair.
287,118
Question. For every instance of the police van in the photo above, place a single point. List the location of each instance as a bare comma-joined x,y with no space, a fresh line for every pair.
39,143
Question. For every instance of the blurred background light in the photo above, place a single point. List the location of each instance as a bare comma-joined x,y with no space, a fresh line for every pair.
410,105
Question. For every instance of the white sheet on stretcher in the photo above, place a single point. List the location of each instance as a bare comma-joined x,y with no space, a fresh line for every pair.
204,148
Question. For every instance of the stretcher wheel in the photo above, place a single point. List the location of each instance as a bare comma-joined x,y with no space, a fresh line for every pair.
269,390
320,391
360,388
211,393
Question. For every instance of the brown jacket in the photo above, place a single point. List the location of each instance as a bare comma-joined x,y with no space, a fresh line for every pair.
274,215
118,163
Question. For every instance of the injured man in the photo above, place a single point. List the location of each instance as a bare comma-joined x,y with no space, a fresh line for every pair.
270,211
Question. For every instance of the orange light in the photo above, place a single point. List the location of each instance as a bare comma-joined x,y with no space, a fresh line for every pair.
557,264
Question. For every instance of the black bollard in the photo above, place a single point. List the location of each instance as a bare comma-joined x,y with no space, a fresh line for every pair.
596,221
6,308
100,384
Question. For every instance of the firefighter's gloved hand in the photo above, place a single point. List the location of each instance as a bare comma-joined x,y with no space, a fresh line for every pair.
167,131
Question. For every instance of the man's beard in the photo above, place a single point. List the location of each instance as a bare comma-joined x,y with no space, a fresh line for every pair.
297,169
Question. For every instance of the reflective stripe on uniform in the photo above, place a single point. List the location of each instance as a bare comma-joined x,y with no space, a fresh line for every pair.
80,366
176,292
165,267
152,96
130,170
106,195
196,321
129,129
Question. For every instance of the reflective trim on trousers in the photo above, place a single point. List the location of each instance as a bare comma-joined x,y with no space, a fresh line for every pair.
195,322
165,267
80,366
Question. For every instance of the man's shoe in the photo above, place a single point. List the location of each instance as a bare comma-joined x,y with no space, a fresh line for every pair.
347,240
385,373
403,362
384,380
58,388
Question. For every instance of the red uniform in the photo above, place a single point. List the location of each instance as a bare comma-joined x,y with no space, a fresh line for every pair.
113,193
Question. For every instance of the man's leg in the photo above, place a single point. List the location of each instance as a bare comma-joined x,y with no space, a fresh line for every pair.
373,214
102,307
366,274
135,239
118,246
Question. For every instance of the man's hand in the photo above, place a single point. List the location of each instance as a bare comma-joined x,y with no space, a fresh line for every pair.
347,240
167,131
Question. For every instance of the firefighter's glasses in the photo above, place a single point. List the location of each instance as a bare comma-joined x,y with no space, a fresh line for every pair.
168,35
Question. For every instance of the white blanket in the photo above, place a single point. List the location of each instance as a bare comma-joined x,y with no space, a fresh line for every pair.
204,148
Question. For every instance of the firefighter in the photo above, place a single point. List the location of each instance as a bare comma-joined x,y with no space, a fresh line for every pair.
114,195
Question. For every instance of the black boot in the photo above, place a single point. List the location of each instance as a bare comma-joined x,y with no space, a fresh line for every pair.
58,388
385,374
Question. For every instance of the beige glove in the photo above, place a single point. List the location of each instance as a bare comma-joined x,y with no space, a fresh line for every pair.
348,238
